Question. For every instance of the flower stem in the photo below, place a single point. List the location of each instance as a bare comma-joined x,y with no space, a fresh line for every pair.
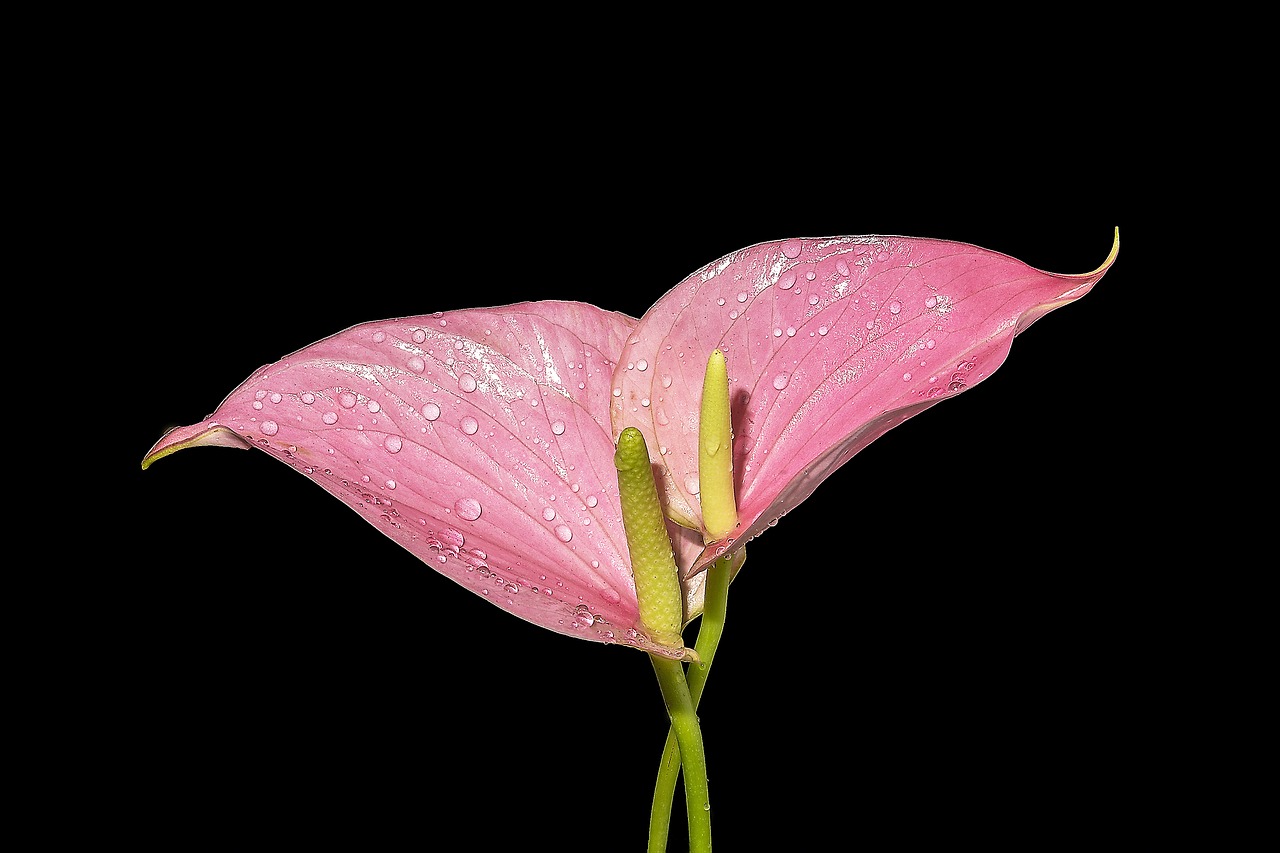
710,628
688,732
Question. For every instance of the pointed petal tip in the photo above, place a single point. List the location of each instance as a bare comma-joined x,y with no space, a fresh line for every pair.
196,435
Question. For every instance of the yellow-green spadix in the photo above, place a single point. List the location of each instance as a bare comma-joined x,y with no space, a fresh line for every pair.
715,453
653,565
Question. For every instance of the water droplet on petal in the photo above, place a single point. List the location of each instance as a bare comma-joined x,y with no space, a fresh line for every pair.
379,337
347,400
275,398
780,381
558,427
791,248
548,513
906,377
467,508
419,336
666,382
895,306
931,302
467,382
470,425
822,330
329,418
788,280
416,364
842,267
308,397
642,365
431,411
393,443
592,501
742,297
391,484
563,533
374,407
270,427
692,484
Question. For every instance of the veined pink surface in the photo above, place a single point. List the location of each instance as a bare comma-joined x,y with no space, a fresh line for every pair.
482,440
829,343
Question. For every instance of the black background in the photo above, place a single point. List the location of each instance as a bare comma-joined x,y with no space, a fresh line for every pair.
963,661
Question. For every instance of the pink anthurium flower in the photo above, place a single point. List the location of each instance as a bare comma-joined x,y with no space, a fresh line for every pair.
482,440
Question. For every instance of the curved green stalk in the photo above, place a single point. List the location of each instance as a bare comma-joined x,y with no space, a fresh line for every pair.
688,732
710,628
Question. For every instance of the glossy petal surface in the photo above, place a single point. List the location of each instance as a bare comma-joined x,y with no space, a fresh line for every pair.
830,343
479,440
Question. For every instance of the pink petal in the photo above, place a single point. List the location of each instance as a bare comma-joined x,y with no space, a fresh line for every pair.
479,440
830,343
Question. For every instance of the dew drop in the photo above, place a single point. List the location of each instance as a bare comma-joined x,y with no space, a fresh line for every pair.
470,425
692,484
549,514
720,301
270,427
842,267
391,484
563,533
822,330
810,275
330,418
379,337
742,296
467,382
419,336
347,400
788,280
645,402
308,397
931,302
642,365
871,325
467,508
791,248
257,405
666,382
592,501
416,364
431,411
930,344
780,381
558,427
617,392
906,377
777,333
374,407
275,398
393,443
895,306
791,331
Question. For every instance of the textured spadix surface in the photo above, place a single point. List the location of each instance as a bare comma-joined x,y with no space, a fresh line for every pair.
483,440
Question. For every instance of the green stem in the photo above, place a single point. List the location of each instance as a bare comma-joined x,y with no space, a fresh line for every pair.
684,721
715,602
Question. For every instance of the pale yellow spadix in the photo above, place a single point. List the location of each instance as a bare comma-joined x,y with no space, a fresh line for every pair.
715,453
653,565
